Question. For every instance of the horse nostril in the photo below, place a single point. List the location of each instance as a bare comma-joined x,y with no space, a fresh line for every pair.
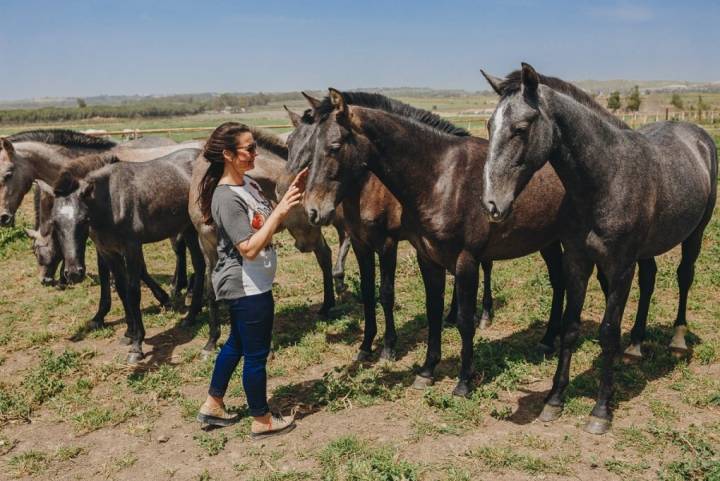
6,219
494,212
81,271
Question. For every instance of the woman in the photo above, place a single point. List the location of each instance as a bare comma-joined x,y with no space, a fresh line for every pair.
244,273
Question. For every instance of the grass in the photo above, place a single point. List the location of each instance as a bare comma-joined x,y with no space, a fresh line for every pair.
358,421
350,458
212,444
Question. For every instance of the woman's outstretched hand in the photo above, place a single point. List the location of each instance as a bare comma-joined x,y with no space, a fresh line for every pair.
294,194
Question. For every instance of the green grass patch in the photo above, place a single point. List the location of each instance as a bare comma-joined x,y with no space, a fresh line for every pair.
508,457
350,458
164,383
212,444
344,387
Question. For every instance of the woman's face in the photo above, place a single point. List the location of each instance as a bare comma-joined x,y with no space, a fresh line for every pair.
243,159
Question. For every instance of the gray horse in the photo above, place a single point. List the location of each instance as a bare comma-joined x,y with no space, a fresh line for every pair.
124,205
633,195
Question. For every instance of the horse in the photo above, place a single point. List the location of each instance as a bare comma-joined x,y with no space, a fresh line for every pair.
269,171
632,195
373,217
123,205
433,175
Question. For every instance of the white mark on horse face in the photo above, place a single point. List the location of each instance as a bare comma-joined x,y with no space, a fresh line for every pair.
497,125
67,211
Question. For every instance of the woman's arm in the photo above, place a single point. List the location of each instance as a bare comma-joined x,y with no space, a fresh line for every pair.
251,247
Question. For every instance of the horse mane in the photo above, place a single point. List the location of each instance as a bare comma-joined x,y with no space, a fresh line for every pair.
75,169
268,140
381,102
513,83
63,137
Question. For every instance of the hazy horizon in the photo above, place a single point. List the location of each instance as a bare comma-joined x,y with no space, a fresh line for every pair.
88,48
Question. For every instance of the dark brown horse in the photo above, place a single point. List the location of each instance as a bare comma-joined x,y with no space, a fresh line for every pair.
373,217
435,177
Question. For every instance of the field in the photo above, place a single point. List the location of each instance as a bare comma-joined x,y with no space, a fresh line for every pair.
71,408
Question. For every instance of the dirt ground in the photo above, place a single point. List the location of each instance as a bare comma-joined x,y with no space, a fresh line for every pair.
72,409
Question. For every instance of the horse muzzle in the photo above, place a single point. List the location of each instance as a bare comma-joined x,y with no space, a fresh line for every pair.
7,219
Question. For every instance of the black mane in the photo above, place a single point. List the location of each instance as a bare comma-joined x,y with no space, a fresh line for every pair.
513,83
378,101
270,141
67,182
63,137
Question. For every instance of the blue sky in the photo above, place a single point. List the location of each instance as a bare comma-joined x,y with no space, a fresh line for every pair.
84,48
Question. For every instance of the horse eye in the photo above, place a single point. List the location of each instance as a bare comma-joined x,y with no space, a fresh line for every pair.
520,128
7,175
335,147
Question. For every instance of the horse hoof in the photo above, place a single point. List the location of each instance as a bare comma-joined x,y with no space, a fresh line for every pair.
596,425
95,325
135,357
340,288
363,356
422,382
484,323
205,354
388,354
550,413
450,321
546,350
186,323
462,389
324,312
125,341
47,281
678,352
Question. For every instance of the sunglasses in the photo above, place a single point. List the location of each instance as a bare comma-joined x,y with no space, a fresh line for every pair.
250,148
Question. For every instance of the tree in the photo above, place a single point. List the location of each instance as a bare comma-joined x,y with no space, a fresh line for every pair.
633,101
702,105
613,102
81,103
677,101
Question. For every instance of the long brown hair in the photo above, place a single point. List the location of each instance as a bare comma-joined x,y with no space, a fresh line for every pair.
223,138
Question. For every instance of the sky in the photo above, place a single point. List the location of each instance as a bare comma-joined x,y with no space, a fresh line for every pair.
79,48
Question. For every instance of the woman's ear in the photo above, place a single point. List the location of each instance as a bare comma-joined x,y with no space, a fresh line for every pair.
227,155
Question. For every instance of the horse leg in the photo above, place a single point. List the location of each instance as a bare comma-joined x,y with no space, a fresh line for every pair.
366,263
134,267
198,263
434,281
117,267
339,268
619,281
576,272
323,254
98,320
48,271
388,265
552,255
646,279
685,275
180,280
157,291
487,300
451,318
466,275
209,252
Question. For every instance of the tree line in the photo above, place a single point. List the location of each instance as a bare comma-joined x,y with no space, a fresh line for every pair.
161,107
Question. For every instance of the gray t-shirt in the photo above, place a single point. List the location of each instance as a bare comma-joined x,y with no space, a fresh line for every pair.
238,212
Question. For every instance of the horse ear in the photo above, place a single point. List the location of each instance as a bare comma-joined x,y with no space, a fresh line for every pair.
7,146
530,79
86,189
314,103
294,118
45,187
33,234
338,103
494,82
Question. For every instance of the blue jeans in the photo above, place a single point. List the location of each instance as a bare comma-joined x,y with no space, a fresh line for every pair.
251,320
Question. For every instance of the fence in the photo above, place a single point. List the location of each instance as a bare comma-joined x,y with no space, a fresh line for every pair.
476,124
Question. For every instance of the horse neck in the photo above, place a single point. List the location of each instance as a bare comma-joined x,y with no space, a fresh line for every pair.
44,161
588,154
408,158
